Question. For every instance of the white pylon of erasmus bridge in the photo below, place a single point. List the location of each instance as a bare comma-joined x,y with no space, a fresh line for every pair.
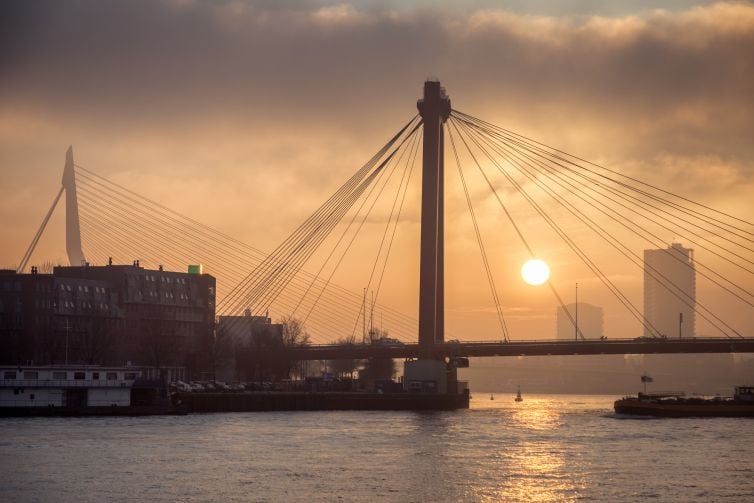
72,227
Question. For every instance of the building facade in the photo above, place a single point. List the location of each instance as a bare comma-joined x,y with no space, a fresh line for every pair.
670,292
249,344
111,314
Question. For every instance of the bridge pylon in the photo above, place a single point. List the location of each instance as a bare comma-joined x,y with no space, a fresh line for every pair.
72,229
434,108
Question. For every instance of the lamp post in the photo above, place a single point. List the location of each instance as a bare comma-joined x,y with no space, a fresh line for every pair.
576,324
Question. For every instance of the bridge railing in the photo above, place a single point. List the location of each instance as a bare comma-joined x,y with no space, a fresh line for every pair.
614,340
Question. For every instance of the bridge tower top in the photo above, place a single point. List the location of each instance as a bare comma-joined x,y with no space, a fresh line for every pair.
434,108
72,228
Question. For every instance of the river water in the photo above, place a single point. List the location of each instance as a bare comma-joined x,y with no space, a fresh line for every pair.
546,448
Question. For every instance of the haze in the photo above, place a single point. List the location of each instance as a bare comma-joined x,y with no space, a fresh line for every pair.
247,115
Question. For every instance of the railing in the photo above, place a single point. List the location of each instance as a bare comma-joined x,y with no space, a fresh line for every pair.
539,347
615,340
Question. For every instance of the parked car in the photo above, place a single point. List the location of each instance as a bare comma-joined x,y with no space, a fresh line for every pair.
182,386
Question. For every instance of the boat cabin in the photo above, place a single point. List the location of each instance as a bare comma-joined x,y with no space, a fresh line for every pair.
73,386
744,393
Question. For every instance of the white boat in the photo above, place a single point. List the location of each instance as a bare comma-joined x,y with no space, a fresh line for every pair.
76,390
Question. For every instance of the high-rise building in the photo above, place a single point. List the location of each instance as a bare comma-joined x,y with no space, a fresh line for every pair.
591,321
669,291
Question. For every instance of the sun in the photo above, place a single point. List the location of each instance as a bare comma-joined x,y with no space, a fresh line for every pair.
535,272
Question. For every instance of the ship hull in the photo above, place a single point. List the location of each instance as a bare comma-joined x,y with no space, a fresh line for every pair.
131,410
633,406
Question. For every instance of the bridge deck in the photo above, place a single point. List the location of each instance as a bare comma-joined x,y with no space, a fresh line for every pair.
530,348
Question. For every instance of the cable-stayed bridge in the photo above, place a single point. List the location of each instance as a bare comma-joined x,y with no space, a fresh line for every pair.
105,220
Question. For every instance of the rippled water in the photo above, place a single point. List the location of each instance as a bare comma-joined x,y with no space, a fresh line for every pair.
546,448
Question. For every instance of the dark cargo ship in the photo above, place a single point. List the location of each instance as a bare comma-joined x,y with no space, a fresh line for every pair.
741,404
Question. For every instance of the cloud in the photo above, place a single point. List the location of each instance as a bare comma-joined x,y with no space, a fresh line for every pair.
158,62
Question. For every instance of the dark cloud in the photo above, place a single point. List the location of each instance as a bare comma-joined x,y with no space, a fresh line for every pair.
623,87
157,62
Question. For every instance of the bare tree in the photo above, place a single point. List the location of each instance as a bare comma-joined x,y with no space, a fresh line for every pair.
48,265
378,368
346,367
294,332
294,335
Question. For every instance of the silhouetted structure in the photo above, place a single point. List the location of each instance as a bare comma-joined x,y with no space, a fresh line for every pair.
45,319
434,109
244,342
670,291
106,314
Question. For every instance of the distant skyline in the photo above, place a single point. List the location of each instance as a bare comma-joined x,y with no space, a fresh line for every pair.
247,115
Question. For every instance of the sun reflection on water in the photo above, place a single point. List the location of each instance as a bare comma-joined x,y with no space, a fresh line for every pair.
535,415
532,464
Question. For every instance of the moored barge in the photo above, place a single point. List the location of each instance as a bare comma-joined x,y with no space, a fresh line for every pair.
81,390
741,404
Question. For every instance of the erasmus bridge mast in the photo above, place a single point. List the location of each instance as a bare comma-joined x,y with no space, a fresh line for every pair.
72,228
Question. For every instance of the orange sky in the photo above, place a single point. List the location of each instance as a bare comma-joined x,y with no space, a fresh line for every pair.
246,116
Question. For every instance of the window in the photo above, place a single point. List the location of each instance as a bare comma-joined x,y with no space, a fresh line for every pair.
95,375
31,375
112,376
9,375
79,376
130,376
59,376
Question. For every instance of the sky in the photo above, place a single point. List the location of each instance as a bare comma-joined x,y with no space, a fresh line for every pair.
247,115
